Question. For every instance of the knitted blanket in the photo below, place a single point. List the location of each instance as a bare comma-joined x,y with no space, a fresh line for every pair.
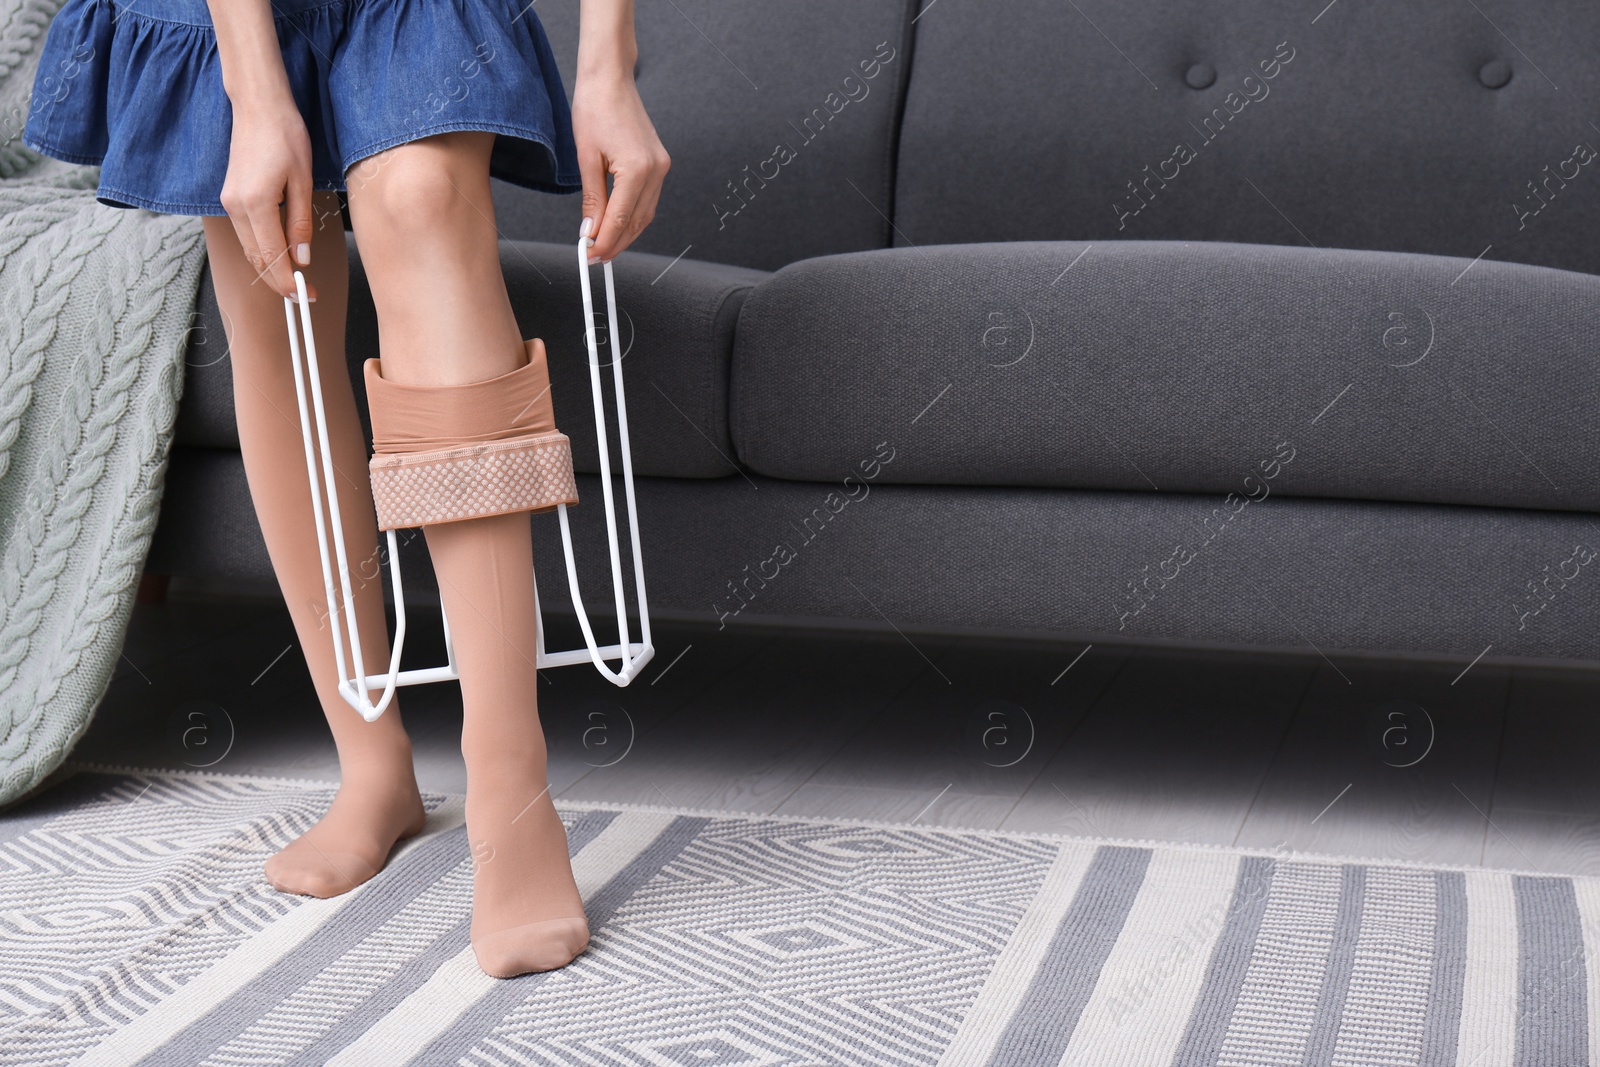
95,308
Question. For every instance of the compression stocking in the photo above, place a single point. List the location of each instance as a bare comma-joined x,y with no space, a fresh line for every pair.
377,801
468,463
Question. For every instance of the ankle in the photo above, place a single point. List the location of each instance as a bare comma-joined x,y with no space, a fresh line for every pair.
380,769
511,753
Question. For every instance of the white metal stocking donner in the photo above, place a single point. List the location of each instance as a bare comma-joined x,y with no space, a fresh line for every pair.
633,655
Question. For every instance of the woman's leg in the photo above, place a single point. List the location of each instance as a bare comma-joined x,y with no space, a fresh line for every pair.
424,221
377,801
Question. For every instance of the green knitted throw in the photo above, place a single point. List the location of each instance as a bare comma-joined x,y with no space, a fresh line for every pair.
95,308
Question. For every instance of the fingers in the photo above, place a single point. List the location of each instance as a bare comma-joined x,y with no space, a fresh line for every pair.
592,168
247,240
620,223
275,269
301,225
616,229
258,220
647,204
630,208
613,233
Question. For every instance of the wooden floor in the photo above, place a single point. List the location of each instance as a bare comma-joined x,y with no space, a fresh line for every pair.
1354,757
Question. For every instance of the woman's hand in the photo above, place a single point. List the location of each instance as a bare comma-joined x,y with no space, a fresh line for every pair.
614,135
269,162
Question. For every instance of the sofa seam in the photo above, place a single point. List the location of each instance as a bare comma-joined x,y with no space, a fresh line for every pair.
908,38
727,408
735,419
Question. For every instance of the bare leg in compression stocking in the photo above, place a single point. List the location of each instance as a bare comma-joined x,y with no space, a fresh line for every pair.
377,801
423,217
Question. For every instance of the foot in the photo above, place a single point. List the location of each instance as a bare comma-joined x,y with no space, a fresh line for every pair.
352,842
545,945
527,912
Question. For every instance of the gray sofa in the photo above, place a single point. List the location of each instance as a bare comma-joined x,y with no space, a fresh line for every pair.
1253,324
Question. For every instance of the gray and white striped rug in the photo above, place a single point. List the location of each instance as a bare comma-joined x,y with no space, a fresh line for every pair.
136,928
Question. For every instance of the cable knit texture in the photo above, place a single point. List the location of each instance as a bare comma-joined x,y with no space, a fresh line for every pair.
95,308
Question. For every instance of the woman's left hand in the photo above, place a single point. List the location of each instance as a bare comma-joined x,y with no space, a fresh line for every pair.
615,136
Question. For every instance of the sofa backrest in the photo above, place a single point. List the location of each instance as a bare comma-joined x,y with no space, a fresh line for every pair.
1460,129
779,119
1465,128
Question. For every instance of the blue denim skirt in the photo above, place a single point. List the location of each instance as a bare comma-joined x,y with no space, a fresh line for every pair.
135,86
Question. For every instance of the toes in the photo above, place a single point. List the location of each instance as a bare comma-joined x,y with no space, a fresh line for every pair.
531,947
324,875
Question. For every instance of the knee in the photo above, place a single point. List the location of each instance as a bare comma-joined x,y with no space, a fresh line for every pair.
411,198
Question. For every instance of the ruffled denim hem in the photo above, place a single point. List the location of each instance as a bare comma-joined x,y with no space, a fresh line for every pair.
135,87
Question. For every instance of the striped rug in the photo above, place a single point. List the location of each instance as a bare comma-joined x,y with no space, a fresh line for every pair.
136,928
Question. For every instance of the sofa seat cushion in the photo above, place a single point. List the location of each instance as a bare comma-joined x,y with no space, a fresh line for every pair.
1234,369
676,317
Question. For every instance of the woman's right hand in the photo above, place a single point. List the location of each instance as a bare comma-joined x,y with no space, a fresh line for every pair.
269,163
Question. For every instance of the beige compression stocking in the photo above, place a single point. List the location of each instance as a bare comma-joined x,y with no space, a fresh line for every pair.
468,463
377,801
